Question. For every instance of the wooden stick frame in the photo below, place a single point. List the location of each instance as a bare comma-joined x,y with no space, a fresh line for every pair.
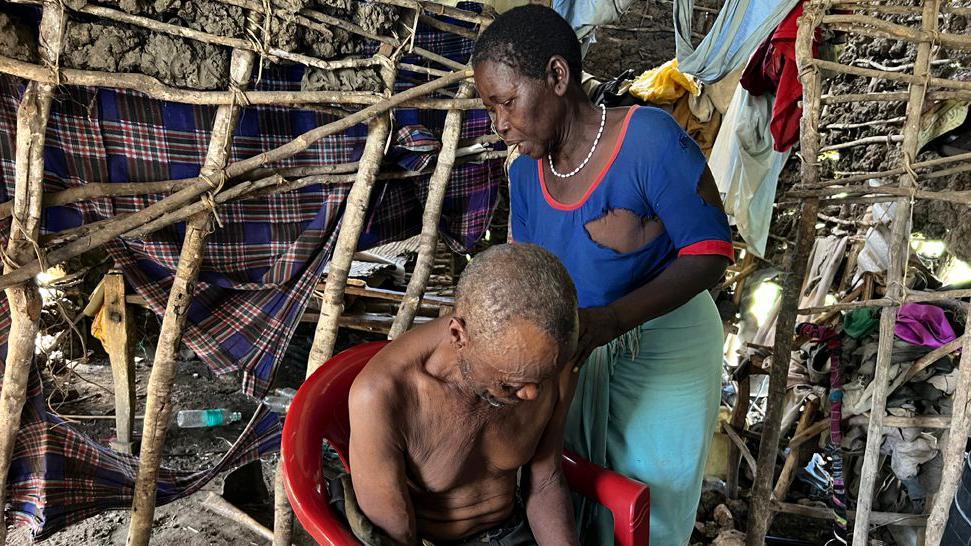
922,87
24,298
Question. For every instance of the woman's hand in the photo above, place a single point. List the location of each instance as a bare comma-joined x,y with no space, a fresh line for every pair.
598,326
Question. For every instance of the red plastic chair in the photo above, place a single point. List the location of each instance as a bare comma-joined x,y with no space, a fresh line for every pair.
319,411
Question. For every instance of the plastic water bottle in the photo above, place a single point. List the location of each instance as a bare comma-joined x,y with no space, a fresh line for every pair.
207,418
279,402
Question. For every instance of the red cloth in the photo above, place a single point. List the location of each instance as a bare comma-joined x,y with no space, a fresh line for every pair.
773,67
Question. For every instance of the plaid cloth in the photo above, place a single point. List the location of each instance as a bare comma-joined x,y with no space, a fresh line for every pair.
260,268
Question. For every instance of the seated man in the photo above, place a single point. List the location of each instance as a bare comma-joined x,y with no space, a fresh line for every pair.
445,417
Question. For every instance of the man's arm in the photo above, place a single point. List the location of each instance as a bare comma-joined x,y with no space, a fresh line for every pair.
548,506
378,462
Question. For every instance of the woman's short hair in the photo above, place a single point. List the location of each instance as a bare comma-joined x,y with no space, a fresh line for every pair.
526,38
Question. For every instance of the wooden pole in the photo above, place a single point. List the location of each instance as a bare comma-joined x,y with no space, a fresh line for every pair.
881,28
894,76
156,89
953,452
118,329
352,222
792,284
216,504
24,299
437,186
158,407
896,277
282,514
793,459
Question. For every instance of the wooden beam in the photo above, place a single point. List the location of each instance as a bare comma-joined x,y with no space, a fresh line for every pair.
352,223
878,518
739,413
24,298
953,451
118,329
896,278
431,217
793,459
158,406
758,523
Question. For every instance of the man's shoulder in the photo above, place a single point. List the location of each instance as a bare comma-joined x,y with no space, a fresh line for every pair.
377,385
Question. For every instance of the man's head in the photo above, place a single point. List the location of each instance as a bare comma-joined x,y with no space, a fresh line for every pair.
527,67
515,322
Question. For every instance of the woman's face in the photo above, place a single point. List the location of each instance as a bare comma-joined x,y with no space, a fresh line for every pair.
525,111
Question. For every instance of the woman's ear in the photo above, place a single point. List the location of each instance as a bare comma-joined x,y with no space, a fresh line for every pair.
558,74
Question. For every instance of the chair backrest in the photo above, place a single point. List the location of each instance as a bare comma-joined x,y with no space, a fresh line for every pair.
319,412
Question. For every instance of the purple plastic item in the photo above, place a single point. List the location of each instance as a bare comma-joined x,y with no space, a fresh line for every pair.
925,325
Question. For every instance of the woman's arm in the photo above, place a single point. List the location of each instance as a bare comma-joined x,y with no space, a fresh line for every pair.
684,279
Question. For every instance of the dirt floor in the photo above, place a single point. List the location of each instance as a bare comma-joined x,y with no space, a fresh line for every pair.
184,521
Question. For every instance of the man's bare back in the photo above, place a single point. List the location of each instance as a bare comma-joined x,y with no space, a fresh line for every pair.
440,428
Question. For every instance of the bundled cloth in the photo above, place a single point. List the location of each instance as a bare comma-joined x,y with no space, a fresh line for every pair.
664,84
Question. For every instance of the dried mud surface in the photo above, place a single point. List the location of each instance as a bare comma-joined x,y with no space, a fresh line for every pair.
17,40
174,61
112,47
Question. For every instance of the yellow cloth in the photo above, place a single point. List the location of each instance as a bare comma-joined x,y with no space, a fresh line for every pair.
98,327
664,84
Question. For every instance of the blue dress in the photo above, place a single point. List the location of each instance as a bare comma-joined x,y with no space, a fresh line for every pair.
646,404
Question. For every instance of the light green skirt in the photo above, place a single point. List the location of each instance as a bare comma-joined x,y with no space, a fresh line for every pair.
646,406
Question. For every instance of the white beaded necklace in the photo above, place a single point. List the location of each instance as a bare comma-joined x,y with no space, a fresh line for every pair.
603,121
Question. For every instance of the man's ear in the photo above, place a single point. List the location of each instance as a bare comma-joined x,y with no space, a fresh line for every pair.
558,75
458,335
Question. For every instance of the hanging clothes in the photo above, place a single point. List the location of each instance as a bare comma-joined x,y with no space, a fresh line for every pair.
746,167
772,68
740,27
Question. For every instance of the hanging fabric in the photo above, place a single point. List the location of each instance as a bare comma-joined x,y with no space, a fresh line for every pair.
740,27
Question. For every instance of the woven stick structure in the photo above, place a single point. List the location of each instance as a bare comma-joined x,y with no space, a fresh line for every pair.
868,19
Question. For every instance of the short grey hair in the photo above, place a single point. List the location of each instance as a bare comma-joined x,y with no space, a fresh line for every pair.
517,281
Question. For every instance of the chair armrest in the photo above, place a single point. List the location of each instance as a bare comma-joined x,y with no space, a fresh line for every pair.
629,500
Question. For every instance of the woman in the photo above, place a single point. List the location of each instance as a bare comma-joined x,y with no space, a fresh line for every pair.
624,198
